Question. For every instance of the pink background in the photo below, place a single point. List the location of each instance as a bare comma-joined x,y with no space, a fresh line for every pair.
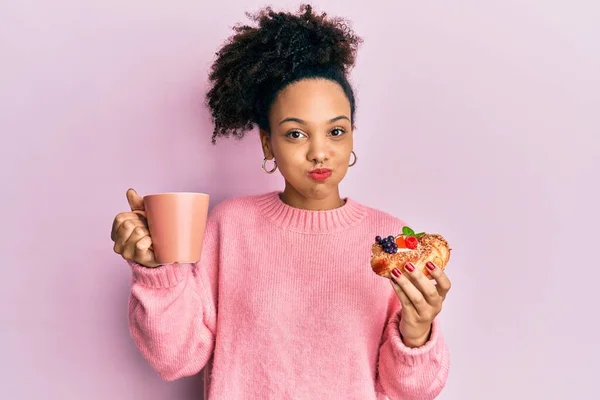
483,114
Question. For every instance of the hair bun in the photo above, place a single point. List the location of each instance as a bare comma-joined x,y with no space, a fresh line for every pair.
307,39
258,58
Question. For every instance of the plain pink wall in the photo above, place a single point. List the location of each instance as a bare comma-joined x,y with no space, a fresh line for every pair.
482,115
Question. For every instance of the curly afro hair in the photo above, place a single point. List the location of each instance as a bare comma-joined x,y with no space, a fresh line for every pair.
258,62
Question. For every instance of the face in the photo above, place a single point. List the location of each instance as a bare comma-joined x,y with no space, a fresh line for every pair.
310,138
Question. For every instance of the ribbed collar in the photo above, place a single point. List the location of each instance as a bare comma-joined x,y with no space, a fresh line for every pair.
310,221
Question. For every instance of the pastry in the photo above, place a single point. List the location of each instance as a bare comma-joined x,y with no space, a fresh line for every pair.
417,248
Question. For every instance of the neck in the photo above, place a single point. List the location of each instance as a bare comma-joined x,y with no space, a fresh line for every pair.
293,198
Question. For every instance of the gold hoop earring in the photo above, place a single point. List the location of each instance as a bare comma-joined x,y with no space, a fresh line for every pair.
353,162
269,171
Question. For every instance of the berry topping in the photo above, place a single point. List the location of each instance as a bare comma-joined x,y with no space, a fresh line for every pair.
408,239
400,242
387,244
411,242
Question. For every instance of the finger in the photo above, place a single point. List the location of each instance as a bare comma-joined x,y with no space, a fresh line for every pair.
414,295
124,233
404,300
135,200
423,284
443,283
127,227
120,219
129,246
143,253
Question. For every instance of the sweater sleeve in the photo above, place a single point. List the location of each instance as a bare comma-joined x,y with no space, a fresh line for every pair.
406,373
172,311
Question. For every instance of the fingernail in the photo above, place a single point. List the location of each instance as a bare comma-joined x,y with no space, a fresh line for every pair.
430,266
410,267
396,272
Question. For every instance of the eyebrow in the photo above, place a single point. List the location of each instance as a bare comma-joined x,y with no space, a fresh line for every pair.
302,122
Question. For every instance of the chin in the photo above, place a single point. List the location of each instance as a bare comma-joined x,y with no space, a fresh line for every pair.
320,191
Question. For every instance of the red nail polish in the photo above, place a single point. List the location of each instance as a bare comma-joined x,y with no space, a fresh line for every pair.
396,272
430,266
410,267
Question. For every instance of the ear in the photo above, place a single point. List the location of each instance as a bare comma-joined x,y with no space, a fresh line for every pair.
265,140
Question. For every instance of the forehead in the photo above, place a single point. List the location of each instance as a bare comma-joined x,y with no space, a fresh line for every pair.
313,100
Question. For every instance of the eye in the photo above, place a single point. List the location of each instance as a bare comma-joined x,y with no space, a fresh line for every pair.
337,132
295,135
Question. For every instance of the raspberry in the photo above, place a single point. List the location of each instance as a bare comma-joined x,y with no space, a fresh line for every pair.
411,242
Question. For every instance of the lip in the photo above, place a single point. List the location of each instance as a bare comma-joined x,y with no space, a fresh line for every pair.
320,174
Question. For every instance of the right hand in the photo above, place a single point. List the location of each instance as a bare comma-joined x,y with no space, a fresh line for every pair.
131,235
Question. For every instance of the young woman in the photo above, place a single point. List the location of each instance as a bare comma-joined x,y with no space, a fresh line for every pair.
284,303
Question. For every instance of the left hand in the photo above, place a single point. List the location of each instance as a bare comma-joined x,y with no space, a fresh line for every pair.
421,301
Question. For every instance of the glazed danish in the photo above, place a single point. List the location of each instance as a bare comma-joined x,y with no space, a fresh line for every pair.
417,248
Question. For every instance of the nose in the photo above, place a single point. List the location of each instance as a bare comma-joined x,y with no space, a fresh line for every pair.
317,152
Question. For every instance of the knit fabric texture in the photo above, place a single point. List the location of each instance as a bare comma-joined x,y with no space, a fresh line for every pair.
284,305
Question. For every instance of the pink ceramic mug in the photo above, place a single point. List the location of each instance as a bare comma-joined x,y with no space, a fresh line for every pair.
177,222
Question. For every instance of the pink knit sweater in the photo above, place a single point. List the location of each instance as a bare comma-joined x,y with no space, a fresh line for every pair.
284,305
